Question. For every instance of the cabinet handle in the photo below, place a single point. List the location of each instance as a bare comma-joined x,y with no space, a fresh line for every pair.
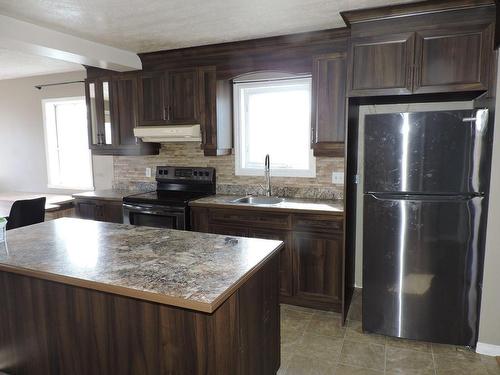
169,111
416,77
312,136
164,113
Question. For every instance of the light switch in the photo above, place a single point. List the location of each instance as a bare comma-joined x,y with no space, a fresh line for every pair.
148,172
338,178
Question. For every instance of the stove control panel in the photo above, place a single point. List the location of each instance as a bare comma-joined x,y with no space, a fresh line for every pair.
185,173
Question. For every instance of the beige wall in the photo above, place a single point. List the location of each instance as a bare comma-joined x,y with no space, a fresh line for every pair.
129,172
489,325
22,148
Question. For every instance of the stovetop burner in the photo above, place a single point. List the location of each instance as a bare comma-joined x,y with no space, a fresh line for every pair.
177,186
164,197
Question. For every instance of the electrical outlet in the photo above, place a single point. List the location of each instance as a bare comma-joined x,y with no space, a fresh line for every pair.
338,178
148,172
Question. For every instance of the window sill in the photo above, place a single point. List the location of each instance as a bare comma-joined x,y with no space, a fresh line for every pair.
276,173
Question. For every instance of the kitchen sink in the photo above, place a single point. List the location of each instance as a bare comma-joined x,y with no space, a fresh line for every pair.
259,200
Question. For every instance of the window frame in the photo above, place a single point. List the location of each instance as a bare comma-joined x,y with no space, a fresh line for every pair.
51,185
259,81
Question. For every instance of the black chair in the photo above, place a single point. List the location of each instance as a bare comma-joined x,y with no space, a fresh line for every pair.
26,212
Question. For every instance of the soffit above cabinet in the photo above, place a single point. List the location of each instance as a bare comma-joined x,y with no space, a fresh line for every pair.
399,10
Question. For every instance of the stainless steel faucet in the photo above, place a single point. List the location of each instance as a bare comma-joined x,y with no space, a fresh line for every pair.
267,174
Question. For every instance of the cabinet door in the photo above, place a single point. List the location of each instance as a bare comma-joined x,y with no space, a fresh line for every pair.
453,60
152,103
285,256
215,112
87,210
111,212
100,116
182,97
318,266
125,106
381,65
208,110
328,104
94,99
199,219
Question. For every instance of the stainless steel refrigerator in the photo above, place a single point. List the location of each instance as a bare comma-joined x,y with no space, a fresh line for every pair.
425,177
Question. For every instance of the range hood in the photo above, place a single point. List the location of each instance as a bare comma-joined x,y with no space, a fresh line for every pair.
173,133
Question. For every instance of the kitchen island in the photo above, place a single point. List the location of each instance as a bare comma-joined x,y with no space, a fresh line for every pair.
85,297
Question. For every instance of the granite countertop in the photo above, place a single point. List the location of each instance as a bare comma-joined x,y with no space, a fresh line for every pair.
110,194
53,203
192,270
288,205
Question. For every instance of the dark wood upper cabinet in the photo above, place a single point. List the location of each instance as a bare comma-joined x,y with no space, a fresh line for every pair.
187,97
152,102
421,48
215,112
125,110
168,98
100,116
182,94
381,65
329,73
453,60
112,116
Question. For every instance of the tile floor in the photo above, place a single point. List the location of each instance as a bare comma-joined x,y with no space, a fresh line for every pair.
315,343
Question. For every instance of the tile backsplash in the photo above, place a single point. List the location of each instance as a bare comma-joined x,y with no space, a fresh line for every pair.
129,173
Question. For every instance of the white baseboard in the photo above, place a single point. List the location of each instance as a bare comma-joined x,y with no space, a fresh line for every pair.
488,349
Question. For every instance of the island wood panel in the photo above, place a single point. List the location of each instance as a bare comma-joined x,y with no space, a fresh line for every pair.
52,328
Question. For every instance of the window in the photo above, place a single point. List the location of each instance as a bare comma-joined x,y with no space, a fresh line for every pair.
69,163
273,117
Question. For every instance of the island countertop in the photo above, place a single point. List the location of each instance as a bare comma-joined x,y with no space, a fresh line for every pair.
192,270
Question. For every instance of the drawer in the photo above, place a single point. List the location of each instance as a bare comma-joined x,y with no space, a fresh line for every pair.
251,217
318,223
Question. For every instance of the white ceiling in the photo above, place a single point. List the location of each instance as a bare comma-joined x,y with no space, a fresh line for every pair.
15,64
152,25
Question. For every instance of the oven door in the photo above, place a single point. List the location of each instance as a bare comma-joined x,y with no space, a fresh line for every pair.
155,216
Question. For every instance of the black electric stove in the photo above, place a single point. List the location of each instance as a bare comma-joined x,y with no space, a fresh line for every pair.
168,205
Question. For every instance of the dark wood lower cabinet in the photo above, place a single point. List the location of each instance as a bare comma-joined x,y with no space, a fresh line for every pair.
99,209
312,260
316,258
286,280
228,230
52,328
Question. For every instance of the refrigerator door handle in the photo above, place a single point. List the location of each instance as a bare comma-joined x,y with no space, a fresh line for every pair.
422,197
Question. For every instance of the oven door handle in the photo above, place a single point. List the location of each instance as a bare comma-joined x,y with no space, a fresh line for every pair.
143,210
